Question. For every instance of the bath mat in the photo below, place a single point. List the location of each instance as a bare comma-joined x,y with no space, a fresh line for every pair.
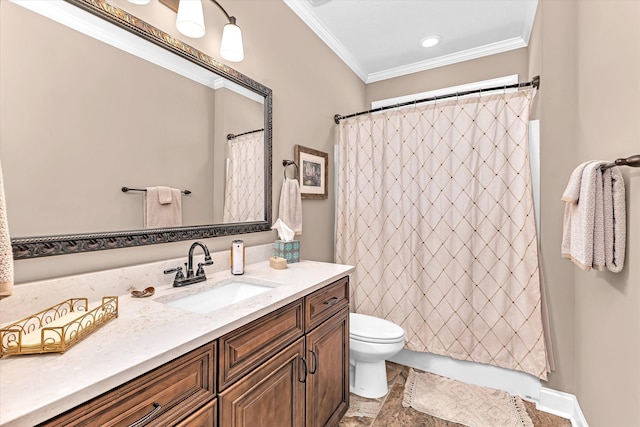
465,404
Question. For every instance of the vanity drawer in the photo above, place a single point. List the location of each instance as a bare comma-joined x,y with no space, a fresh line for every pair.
244,349
325,302
180,387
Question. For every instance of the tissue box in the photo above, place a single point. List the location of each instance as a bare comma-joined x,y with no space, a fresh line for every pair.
287,250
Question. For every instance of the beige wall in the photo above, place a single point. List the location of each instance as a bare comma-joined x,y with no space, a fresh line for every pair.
588,56
310,84
607,306
552,56
588,53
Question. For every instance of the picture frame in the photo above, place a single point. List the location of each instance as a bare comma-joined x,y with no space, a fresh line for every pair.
313,172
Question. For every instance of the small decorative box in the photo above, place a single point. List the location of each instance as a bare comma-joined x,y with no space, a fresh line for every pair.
287,250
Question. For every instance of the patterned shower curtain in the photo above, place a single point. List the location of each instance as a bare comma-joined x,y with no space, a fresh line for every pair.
435,210
244,190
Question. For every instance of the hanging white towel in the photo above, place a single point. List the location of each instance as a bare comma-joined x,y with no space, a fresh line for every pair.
615,220
598,222
594,229
165,195
6,252
580,217
291,205
162,207
572,192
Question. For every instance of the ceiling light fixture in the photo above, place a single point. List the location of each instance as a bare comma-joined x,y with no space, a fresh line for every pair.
430,41
190,19
190,22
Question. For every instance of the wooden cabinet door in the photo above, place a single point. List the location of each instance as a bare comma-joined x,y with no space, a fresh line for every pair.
325,302
271,395
207,416
242,350
327,355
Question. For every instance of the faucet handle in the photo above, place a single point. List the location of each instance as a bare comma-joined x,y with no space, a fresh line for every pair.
177,270
200,271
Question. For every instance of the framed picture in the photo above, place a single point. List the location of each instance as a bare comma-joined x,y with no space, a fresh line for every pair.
313,172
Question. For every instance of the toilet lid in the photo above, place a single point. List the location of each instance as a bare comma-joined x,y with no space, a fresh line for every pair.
373,329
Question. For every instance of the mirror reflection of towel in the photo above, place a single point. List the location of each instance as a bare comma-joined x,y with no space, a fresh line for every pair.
162,207
291,205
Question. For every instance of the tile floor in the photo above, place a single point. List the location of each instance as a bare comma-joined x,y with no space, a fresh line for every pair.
388,411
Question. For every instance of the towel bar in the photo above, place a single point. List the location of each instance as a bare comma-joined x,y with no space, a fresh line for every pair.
125,189
633,161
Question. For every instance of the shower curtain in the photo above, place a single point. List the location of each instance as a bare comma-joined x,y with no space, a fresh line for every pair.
435,211
244,189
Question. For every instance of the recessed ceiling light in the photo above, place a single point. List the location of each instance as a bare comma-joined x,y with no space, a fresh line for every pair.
430,41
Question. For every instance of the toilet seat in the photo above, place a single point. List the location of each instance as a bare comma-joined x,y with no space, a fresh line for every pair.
373,329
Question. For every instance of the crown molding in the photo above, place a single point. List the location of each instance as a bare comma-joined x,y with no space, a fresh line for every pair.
454,58
301,9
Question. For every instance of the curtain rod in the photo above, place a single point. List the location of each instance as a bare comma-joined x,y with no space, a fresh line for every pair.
535,82
232,136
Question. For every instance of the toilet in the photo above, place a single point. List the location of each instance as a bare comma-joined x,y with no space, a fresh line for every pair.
371,341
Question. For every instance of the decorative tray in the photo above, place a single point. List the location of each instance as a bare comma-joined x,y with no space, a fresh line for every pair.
56,328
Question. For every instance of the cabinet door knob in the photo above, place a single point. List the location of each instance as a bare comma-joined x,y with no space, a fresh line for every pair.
142,421
304,367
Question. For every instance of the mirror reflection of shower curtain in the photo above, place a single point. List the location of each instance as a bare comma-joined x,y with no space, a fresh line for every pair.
244,190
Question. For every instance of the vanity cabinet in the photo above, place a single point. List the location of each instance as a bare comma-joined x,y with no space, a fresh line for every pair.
289,368
327,354
181,388
307,381
327,392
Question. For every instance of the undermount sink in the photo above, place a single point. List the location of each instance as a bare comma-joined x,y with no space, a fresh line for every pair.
209,297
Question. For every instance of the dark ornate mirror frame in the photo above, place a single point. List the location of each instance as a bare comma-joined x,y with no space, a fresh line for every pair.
32,247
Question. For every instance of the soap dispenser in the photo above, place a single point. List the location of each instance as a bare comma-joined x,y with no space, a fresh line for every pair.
237,257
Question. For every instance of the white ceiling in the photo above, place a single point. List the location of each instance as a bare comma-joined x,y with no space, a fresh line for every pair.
379,39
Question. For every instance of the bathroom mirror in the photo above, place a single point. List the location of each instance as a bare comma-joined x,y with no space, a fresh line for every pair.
78,154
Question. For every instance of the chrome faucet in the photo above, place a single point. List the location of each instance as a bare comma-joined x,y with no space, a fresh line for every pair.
199,276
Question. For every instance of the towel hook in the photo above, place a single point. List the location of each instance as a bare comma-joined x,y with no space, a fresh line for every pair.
287,163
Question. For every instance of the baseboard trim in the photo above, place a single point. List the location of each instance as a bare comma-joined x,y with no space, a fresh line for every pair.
562,404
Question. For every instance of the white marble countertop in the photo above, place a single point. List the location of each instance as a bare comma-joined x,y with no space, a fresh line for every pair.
146,334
